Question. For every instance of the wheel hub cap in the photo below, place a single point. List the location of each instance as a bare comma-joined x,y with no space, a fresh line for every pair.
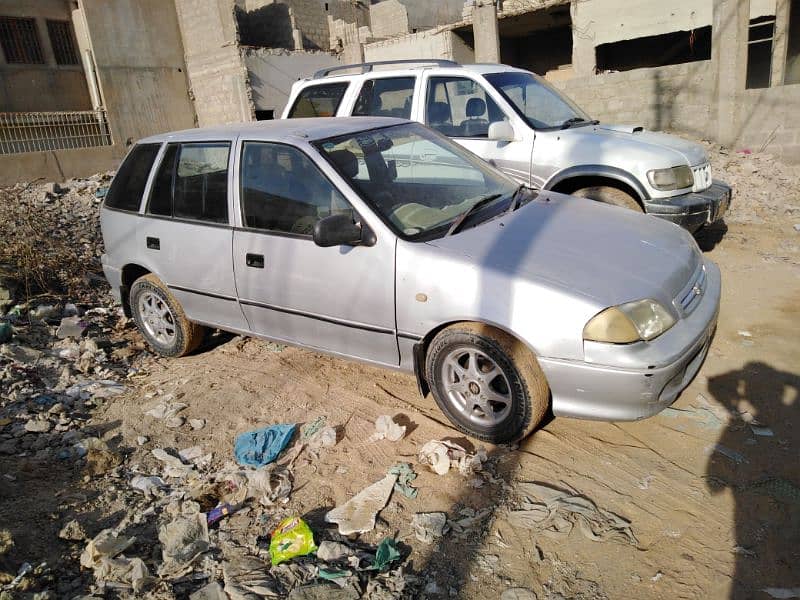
157,318
476,386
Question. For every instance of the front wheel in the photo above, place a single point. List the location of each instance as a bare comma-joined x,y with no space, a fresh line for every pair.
486,382
161,319
609,195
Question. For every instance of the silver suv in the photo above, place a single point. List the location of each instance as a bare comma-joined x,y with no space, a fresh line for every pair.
528,129
380,240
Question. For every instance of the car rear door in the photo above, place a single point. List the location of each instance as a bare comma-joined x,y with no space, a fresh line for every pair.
338,299
185,233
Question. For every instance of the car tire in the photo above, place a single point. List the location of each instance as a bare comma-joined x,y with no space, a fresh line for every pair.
609,195
161,320
486,382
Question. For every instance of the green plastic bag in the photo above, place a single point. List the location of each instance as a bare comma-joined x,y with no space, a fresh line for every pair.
292,537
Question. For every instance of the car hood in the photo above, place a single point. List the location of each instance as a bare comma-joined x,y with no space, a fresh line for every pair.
609,254
638,138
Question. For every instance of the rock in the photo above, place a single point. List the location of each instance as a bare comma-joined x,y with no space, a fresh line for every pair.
174,422
38,426
797,226
52,189
142,440
72,531
518,593
197,424
429,527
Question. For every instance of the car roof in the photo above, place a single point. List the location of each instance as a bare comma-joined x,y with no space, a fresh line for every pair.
279,130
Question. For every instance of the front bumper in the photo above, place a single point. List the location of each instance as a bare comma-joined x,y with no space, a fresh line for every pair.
695,209
610,393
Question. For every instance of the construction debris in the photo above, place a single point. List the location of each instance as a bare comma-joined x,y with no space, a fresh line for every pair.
442,455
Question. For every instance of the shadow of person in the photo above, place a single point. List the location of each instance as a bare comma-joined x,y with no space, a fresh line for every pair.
756,458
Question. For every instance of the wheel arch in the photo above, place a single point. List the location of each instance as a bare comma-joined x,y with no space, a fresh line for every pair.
580,176
130,273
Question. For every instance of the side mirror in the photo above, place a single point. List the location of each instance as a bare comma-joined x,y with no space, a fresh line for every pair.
501,131
338,230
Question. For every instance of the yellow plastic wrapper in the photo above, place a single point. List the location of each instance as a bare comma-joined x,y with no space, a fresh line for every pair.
292,537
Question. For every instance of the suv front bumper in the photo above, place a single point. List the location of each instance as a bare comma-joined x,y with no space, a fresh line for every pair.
695,209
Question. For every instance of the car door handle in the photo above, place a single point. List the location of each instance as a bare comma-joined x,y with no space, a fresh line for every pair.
254,260
153,243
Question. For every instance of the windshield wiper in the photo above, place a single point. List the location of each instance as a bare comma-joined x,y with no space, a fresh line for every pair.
460,219
572,121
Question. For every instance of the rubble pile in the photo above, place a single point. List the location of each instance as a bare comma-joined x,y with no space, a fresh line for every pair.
764,189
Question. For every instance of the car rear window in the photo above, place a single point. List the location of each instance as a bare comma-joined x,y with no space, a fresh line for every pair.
127,188
319,100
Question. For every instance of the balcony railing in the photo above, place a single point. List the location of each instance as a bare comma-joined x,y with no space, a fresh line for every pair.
40,131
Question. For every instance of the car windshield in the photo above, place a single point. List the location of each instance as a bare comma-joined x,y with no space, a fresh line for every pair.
536,101
416,180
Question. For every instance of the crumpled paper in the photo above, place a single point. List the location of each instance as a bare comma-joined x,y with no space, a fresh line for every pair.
442,455
386,428
555,512
357,515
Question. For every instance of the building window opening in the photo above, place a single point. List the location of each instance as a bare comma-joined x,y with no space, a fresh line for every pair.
63,42
759,52
20,41
673,48
265,115
792,72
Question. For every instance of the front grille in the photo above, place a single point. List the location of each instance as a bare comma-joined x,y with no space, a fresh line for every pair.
690,296
702,177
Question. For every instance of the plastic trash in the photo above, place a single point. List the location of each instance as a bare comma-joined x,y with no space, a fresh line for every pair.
386,553
405,475
292,537
386,428
334,551
5,332
106,544
219,513
357,515
183,541
262,446
442,455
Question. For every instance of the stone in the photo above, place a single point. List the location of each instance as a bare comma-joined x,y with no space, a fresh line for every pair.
174,422
72,531
142,440
38,426
197,424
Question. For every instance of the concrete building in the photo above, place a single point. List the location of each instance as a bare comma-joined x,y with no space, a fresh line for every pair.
727,70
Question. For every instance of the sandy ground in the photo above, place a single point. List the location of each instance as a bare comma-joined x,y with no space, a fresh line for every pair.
703,529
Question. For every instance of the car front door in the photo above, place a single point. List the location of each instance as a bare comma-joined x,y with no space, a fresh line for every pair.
460,108
338,299
185,233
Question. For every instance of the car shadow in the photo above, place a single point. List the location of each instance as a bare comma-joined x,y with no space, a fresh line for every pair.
709,236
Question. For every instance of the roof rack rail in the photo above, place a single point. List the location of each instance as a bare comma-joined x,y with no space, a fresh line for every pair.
367,67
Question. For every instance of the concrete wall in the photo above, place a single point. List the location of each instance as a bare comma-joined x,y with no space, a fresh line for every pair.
388,18
56,165
425,14
676,97
290,24
42,87
139,61
217,76
769,118
434,43
272,72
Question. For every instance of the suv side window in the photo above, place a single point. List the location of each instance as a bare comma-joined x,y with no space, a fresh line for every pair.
127,188
460,107
319,100
283,191
192,182
387,97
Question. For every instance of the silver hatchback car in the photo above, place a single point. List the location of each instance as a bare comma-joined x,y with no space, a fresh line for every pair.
381,240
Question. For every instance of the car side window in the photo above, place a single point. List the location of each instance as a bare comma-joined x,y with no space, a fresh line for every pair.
460,107
386,97
283,191
319,100
128,186
192,182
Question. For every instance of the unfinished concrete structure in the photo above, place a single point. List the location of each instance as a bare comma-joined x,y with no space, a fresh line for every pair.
721,69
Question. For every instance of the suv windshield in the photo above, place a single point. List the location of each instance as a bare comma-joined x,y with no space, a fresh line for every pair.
416,180
536,101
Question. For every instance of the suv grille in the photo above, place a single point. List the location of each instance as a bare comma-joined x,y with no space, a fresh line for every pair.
690,296
702,177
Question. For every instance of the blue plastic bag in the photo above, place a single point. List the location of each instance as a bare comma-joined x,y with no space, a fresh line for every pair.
262,446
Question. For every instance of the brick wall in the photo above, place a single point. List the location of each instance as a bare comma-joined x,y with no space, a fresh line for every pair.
676,97
388,18
769,118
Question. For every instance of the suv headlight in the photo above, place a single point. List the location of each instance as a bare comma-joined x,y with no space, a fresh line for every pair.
675,178
628,323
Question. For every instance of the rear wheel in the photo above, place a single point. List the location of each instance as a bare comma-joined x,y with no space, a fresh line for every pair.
609,195
486,382
161,319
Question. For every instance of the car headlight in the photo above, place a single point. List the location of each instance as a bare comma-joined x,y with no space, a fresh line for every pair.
628,323
675,178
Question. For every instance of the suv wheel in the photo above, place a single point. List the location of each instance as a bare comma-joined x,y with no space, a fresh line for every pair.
487,383
609,195
161,319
